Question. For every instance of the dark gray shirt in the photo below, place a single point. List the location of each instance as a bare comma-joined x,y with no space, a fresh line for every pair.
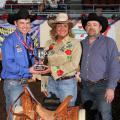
100,60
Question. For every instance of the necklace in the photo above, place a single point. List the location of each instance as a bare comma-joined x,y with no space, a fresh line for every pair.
24,43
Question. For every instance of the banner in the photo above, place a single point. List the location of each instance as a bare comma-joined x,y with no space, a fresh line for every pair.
40,31
6,29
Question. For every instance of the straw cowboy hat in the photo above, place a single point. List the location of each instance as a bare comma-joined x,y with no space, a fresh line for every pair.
93,17
60,18
21,14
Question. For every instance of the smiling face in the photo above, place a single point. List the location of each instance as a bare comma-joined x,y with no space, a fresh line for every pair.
62,29
93,28
23,25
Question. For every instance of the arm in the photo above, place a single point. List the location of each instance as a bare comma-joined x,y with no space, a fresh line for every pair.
9,59
113,68
113,65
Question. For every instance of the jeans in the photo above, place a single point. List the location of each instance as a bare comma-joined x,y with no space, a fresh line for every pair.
63,88
96,93
12,90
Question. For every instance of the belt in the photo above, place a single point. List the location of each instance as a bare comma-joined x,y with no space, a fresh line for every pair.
66,78
22,80
25,80
95,82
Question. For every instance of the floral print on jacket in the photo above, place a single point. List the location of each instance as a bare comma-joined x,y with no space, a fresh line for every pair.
64,58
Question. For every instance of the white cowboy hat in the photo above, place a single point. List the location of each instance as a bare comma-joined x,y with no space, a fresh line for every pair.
60,18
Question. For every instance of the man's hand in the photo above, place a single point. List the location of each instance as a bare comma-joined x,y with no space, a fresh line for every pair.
109,95
47,70
33,71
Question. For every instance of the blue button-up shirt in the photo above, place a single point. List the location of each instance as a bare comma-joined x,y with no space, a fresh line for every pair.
100,60
15,60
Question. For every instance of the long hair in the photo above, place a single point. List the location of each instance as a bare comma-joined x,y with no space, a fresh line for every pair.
54,34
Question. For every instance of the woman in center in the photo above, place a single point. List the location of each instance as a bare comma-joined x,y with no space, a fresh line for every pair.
64,52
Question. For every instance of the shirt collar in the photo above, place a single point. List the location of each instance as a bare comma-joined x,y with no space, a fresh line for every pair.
98,38
66,39
21,35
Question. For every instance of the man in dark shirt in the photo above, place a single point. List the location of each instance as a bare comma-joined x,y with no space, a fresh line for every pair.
99,65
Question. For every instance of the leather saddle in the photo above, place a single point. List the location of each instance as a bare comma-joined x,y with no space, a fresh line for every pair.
28,109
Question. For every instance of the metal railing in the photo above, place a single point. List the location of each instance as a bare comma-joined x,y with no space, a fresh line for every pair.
73,9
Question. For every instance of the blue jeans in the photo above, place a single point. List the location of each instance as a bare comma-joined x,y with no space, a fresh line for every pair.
96,93
12,90
63,88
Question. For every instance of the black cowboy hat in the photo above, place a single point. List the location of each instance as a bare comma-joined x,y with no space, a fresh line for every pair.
94,17
21,14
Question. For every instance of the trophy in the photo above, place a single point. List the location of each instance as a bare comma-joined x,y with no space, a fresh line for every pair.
42,59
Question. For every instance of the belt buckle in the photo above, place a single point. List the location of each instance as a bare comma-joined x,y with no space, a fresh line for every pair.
91,82
67,77
98,81
23,81
60,78
101,81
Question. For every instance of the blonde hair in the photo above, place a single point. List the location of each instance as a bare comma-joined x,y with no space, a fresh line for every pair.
54,34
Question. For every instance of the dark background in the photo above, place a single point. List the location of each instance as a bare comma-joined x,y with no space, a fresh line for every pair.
35,88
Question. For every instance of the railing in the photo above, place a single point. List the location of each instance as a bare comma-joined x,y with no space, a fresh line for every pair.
73,9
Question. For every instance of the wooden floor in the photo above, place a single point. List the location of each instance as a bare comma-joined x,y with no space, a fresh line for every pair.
35,87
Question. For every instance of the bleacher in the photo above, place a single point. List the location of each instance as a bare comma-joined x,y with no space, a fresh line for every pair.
73,9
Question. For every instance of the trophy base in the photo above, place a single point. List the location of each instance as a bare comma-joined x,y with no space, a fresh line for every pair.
40,67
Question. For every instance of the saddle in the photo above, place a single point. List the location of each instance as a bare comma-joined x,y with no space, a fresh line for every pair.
64,112
27,109
31,109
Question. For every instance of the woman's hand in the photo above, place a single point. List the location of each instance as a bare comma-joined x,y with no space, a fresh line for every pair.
77,76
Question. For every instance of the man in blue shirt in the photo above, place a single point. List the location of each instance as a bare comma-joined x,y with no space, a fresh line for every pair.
99,65
17,58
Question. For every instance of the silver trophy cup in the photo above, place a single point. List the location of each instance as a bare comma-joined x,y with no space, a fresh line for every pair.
41,58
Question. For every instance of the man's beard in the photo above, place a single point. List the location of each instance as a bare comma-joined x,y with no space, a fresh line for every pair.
95,35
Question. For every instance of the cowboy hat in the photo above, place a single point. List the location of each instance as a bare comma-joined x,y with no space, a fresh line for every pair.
21,14
93,17
60,18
